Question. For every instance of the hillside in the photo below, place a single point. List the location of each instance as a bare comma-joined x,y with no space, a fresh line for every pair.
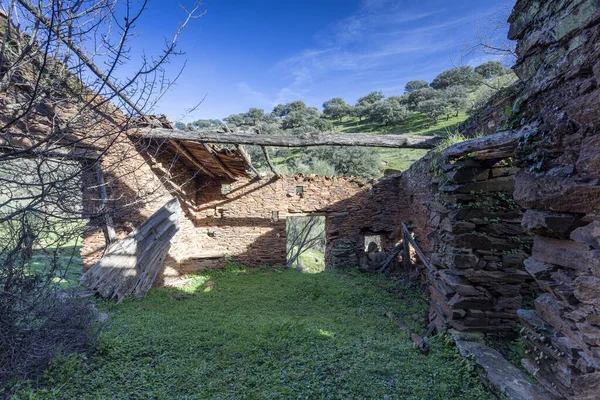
416,124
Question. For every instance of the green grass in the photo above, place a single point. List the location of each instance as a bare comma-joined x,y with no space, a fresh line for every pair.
394,160
265,334
312,261
65,261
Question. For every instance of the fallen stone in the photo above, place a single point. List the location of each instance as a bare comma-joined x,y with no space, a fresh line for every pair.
495,370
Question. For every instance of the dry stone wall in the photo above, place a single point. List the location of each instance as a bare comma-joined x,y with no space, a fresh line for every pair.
558,44
463,215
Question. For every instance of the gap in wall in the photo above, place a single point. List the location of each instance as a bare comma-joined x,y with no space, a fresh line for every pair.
306,243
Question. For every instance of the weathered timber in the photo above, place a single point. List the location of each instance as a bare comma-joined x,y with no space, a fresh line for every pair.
269,162
188,154
219,162
247,158
111,235
407,236
418,340
315,139
393,254
267,157
132,263
498,145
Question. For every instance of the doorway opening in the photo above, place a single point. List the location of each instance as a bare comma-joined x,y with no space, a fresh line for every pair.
305,243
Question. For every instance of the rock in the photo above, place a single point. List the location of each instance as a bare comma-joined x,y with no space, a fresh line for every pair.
556,193
547,223
503,229
460,285
479,242
589,234
495,369
504,184
513,260
587,290
586,386
551,311
588,161
566,253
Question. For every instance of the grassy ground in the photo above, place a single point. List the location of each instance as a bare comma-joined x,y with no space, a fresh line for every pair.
416,124
394,159
312,261
265,334
65,260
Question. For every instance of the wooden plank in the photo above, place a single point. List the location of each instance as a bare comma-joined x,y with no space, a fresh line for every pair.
407,236
188,154
316,139
314,214
132,263
111,235
219,162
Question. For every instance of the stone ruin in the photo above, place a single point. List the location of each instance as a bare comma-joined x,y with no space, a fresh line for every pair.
512,236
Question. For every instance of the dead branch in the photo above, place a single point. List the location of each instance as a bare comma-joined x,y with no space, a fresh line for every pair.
418,340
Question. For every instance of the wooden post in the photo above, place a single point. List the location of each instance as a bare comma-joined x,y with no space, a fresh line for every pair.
111,235
405,253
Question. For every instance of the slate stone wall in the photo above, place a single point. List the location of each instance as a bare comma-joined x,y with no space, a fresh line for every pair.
558,43
464,218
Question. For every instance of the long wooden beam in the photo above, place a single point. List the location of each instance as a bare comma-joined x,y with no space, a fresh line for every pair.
316,139
499,145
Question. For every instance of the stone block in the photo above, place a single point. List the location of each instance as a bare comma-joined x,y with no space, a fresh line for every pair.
587,290
547,223
567,253
589,234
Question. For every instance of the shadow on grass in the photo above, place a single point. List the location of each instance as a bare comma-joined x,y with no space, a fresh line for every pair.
63,263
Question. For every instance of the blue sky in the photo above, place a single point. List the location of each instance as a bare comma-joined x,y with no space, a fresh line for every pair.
258,53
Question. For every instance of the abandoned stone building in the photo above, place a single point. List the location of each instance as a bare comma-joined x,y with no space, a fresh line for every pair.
509,224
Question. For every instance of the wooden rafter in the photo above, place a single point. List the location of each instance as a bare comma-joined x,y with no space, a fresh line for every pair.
219,162
188,154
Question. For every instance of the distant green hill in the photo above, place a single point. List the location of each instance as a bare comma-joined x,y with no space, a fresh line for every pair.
417,124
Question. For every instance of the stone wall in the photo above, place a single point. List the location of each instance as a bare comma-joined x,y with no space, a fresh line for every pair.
235,220
464,218
238,221
559,185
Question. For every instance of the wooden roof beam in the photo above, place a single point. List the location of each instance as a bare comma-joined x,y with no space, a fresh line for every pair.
219,162
316,139
188,154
